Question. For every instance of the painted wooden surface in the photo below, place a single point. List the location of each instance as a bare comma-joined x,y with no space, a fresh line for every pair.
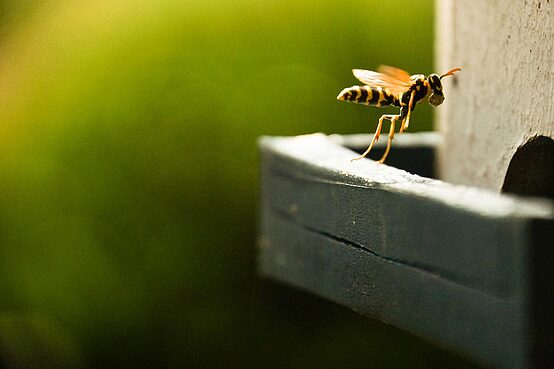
464,267
505,92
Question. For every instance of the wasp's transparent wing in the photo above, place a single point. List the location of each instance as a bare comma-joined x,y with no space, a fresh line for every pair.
376,79
396,73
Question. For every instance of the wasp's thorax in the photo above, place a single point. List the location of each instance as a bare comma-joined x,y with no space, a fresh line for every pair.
437,97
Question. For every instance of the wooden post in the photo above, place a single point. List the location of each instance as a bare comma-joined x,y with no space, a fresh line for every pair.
505,92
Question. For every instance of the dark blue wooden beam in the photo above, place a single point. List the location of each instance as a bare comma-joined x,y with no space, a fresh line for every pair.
466,268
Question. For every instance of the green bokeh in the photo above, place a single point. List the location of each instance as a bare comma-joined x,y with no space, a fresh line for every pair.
128,172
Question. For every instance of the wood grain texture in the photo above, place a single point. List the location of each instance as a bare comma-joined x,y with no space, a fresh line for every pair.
505,92
455,264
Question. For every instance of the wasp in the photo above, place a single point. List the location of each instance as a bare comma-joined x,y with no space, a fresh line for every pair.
394,86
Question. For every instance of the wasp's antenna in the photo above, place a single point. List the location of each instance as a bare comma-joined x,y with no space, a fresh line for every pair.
451,72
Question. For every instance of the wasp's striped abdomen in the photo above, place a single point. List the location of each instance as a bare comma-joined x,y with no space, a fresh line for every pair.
368,95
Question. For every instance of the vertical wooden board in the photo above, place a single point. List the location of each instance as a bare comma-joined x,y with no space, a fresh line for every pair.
505,92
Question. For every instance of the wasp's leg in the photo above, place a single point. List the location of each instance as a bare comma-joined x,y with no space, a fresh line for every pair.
391,136
406,121
375,136
402,117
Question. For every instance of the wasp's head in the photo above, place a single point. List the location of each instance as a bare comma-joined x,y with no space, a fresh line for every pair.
437,97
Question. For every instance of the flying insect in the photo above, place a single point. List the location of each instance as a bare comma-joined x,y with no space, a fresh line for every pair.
393,86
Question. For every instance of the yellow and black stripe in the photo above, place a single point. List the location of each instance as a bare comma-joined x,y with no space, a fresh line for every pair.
367,95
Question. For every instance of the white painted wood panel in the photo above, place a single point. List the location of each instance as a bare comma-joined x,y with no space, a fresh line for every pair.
505,92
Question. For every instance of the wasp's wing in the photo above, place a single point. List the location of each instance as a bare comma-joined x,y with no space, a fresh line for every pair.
375,79
396,73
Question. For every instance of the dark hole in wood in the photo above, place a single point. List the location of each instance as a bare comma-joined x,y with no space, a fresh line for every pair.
531,170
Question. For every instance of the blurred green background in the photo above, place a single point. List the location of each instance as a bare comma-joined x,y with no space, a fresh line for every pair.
128,178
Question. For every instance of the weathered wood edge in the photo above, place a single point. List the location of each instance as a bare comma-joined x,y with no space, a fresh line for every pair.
320,157
325,153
